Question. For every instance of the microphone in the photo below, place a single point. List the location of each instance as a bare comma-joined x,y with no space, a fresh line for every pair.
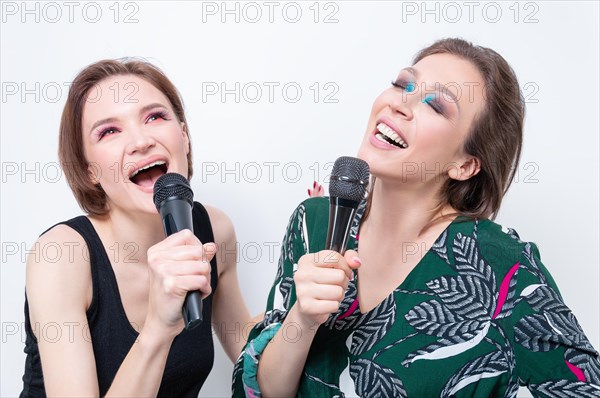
347,188
173,198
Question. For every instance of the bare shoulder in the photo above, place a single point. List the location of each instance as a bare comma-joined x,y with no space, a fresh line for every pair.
58,271
61,247
225,237
69,250
59,291
221,224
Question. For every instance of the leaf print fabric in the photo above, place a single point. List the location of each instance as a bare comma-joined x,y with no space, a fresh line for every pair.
478,316
376,381
487,366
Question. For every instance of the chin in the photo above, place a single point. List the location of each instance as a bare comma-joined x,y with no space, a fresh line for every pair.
143,206
363,152
370,157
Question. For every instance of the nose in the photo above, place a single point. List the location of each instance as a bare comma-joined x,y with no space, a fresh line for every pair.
401,105
139,141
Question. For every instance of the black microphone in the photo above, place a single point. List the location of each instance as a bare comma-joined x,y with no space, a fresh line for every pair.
173,198
347,188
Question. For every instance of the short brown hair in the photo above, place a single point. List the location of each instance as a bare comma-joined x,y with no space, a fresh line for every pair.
91,197
495,136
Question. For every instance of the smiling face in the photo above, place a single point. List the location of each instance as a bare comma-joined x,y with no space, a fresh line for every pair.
131,136
418,126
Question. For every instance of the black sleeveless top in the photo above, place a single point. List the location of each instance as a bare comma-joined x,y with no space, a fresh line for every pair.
191,355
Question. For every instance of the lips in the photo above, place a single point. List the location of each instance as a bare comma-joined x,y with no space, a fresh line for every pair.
387,133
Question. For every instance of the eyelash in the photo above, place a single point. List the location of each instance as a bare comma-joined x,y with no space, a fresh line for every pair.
104,132
401,84
159,114
434,105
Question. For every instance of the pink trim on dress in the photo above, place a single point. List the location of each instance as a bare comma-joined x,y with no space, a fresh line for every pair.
504,289
576,371
350,310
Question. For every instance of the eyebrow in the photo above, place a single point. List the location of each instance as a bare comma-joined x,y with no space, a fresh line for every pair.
443,88
114,119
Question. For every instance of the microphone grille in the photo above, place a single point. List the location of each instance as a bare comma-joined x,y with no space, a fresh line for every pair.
349,179
172,185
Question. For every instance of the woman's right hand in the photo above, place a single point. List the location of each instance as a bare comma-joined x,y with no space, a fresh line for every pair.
321,281
178,264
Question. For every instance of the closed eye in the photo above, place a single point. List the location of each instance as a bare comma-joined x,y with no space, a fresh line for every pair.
398,84
408,86
434,104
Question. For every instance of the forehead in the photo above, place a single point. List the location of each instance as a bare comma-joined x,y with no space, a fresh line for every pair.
117,95
459,75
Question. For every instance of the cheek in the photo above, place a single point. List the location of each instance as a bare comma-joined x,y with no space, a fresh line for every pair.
440,140
177,138
99,157
103,164
435,128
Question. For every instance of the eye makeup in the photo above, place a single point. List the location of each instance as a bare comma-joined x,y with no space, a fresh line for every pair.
159,114
406,84
433,100
428,98
106,131
434,103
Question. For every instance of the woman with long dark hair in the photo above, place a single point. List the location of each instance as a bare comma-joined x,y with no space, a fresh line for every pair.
434,299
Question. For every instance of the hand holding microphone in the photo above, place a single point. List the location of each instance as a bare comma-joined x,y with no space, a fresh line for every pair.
180,264
322,278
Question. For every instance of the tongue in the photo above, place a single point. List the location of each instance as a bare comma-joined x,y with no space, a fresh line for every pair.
147,178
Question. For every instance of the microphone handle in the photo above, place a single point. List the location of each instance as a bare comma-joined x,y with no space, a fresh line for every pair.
341,215
176,214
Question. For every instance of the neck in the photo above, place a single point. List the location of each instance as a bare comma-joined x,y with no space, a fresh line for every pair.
131,233
399,212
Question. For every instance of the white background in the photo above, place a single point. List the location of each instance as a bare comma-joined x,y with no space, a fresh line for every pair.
554,202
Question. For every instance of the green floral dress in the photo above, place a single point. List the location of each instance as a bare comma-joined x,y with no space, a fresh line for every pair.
478,316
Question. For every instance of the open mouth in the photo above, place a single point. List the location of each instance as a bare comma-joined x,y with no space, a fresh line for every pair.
146,176
386,134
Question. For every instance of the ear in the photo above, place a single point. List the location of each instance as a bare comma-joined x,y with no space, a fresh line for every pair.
186,138
465,170
93,173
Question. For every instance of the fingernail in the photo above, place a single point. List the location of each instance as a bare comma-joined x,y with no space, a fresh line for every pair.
308,190
357,260
314,184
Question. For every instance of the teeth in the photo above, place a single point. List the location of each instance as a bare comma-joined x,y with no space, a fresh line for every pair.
157,163
380,138
391,134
